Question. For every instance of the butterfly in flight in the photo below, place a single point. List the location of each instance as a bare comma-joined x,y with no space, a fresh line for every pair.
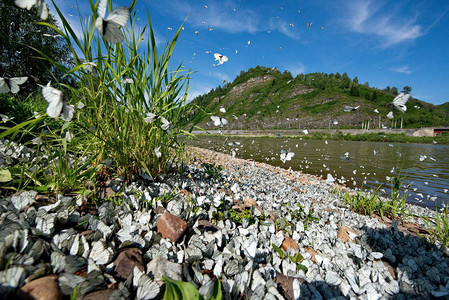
286,155
221,59
11,84
109,28
400,101
218,121
28,4
57,105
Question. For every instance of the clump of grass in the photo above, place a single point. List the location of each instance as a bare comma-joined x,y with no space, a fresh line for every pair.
113,125
370,203
212,170
440,230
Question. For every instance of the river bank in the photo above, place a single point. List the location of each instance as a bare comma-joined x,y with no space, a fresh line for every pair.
264,231
420,136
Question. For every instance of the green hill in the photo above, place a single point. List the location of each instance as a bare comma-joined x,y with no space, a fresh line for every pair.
265,98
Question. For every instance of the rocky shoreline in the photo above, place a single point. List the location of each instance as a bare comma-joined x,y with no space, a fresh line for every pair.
263,231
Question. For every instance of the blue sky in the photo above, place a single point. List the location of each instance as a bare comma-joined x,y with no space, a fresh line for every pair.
393,43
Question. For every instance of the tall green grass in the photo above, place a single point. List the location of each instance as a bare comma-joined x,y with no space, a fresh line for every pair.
111,126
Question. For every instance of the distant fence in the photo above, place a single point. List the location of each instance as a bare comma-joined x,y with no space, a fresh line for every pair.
437,131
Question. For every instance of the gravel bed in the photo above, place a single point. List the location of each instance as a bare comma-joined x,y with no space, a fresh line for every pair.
265,232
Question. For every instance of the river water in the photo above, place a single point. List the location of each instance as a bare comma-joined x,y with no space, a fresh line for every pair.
424,168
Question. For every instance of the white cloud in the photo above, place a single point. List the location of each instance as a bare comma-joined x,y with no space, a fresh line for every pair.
296,68
373,18
195,91
283,27
217,15
402,69
220,75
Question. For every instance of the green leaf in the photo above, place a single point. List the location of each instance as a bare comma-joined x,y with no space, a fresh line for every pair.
281,253
5,175
301,267
178,290
217,291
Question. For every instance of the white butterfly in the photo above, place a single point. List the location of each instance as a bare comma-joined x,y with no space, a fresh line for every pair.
28,4
90,67
376,111
166,125
109,27
57,106
330,179
350,108
335,122
5,118
286,155
222,109
157,152
218,121
390,115
11,84
221,59
150,118
400,101
100,253
305,131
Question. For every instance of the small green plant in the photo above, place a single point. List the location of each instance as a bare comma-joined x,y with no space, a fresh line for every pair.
235,215
177,290
297,258
166,197
212,170
441,229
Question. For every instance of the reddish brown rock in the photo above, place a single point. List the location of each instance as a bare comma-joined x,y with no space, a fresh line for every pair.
344,235
171,227
312,253
390,269
286,284
41,289
127,260
98,295
250,202
207,226
185,192
289,243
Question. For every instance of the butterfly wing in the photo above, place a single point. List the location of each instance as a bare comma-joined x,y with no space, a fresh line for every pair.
54,98
43,9
119,16
28,4
4,88
14,83
99,25
150,118
157,152
112,33
216,120
101,9
67,112
147,288
224,121
165,124
217,56
224,59
400,101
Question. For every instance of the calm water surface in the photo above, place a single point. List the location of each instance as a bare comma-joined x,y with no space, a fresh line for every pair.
369,164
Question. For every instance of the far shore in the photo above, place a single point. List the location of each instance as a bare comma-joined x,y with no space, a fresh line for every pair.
408,135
